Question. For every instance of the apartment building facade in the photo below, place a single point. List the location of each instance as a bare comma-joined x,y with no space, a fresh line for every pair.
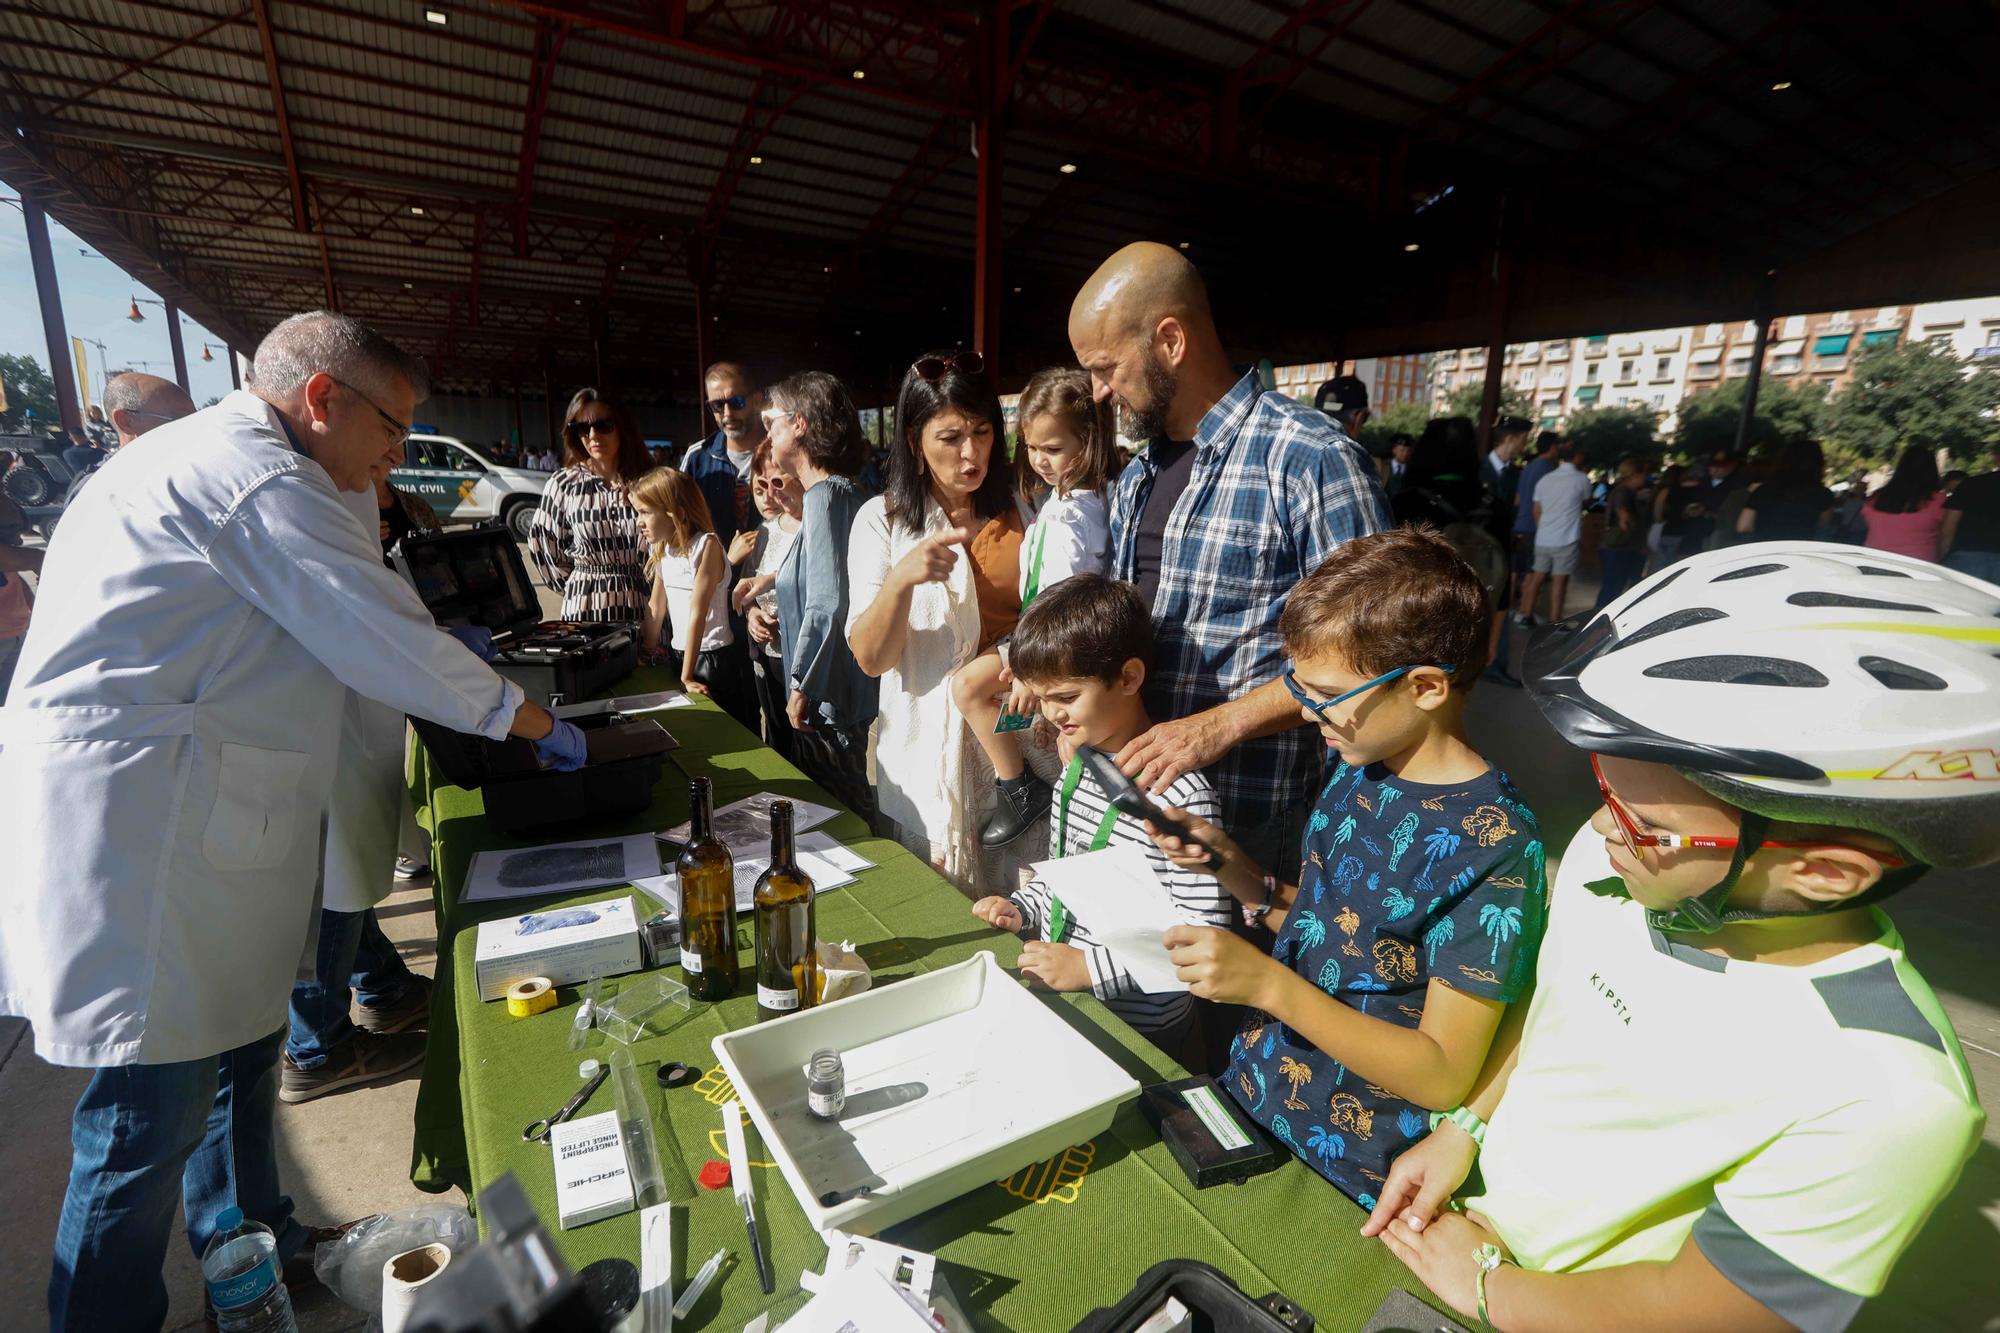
1658,368
1390,379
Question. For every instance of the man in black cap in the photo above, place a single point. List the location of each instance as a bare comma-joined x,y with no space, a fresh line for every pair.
1345,399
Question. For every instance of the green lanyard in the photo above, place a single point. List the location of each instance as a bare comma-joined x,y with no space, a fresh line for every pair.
1071,776
1035,566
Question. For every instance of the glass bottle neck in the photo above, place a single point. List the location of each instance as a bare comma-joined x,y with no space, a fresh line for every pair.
702,813
781,835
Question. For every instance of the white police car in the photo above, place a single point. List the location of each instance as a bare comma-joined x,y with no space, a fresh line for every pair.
465,486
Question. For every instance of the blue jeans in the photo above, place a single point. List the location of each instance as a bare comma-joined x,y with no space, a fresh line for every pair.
200,1133
1618,567
1979,564
353,953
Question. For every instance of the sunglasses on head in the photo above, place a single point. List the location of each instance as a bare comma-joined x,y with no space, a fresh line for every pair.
595,426
933,368
733,403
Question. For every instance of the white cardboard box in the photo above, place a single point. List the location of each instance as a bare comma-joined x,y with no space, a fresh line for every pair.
592,1179
565,944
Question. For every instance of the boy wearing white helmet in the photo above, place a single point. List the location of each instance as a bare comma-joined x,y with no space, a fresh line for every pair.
1732,1101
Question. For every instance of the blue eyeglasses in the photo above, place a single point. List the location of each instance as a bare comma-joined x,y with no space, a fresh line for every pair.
1318,708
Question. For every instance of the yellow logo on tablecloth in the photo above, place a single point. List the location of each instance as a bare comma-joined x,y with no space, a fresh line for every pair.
716,1087
1058,1180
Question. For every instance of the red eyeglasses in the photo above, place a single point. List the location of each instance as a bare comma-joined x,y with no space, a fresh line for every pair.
933,368
1631,832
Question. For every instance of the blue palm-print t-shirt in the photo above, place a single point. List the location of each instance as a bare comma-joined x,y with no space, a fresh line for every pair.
1400,883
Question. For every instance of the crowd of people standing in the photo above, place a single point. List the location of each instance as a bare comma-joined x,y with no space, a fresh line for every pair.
1276,635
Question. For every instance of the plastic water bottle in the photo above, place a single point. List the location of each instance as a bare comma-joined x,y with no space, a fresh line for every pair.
240,1266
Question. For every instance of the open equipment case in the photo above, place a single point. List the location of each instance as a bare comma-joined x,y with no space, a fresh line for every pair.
475,576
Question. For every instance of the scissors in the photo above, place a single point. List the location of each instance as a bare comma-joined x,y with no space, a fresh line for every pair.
538,1130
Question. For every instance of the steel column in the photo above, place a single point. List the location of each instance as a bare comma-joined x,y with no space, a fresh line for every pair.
180,351
1750,385
270,51
62,370
989,146
235,370
1496,348
704,347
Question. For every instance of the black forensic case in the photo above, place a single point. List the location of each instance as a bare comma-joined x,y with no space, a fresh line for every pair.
1210,1301
475,576
626,757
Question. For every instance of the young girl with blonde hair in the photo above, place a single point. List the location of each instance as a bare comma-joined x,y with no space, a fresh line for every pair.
688,575
1066,444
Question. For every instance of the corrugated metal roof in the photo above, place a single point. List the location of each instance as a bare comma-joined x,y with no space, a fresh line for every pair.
1633,103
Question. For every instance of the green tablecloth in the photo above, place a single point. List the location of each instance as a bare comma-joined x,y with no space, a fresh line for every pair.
1038,1251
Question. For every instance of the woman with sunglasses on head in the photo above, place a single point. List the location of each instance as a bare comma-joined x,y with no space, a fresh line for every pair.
830,702
935,570
585,540
777,497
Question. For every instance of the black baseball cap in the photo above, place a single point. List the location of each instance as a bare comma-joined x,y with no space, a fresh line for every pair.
1343,393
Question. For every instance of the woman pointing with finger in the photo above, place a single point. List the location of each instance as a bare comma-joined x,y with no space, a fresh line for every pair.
934,573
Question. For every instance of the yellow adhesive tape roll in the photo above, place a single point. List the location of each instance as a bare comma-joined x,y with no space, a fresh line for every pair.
533,996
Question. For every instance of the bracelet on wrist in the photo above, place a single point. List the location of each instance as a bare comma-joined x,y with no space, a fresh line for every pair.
1254,916
1465,1119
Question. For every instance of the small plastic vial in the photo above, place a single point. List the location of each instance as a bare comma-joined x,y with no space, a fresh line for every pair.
826,1084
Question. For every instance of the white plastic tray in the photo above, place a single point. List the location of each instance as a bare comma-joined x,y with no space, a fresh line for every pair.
955,1079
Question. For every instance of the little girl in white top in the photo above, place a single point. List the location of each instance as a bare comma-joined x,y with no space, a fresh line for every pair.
689,575
1066,443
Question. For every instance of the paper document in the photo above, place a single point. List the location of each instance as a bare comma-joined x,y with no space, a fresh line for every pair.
624,703
745,826
827,867
1119,899
561,867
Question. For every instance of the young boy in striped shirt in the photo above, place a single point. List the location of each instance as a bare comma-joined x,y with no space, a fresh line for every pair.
1084,647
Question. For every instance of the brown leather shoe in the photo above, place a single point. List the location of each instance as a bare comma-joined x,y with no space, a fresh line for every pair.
413,1009
366,1057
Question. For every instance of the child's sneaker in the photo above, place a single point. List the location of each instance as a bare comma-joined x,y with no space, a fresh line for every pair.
1023,800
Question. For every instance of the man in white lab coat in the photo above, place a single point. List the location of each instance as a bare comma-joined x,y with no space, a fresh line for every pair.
168,751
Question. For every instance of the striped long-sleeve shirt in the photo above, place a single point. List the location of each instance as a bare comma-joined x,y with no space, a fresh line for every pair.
1198,898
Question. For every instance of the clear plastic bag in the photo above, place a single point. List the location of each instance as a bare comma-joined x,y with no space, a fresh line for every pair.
841,971
351,1266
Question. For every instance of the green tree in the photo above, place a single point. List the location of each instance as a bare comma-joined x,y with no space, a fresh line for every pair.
1404,418
29,389
1607,434
1917,394
1786,411
1464,402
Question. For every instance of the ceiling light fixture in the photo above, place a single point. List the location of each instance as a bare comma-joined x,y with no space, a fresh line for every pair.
1781,85
860,73
416,211
756,161
1185,244
436,16
1411,248
1067,168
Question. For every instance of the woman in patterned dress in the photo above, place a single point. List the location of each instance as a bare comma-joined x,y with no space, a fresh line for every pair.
585,539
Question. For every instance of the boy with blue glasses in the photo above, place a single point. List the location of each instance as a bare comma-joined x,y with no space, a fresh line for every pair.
1415,915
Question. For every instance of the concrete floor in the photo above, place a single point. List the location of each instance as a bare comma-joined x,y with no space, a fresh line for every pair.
347,1155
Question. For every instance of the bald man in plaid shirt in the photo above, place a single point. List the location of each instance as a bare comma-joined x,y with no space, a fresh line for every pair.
1239,494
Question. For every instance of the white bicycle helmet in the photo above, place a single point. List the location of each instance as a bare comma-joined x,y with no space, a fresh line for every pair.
1800,681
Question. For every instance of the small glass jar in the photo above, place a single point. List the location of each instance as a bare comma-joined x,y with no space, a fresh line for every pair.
826,1084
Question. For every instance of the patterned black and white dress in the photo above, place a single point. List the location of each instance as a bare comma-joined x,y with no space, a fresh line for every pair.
585,542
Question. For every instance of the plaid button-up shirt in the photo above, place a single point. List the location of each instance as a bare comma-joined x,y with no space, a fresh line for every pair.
1275,487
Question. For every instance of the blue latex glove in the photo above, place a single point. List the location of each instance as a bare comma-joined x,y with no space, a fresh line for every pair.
562,749
476,637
